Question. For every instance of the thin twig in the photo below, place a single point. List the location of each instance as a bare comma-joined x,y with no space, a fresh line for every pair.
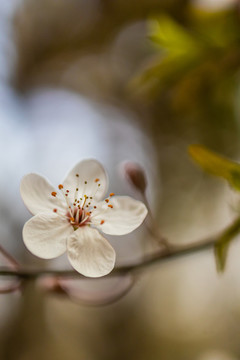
165,254
9,257
159,257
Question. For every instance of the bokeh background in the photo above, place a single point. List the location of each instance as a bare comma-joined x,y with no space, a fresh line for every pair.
124,80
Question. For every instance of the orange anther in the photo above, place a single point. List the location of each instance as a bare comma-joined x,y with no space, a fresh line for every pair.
102,222
110,206
72,219
54,193
111,194
88,213
55,210
97,180
106,200
60,186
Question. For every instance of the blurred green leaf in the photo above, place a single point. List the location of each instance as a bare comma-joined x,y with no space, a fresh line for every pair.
195,63
222,245
216,164
171,36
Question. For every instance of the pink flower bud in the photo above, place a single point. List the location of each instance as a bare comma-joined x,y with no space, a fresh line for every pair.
135,175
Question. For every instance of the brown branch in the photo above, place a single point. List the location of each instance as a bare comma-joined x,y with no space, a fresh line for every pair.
159,257
165,254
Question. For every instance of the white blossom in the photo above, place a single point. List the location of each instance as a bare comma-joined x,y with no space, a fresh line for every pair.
73,217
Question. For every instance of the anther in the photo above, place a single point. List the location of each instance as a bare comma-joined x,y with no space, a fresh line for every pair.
88,213
110,206
91,197
77,175
72,219
99,184
76,189
94,207
85,182
60,186
102,222
96,180
55,210
67,191
106,200
111,194
54,193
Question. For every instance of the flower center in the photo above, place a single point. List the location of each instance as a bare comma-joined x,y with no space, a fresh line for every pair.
78,217
80,208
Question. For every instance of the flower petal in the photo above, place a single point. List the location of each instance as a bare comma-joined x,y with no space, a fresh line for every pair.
89,171
45,235
90,253
36,194
125,215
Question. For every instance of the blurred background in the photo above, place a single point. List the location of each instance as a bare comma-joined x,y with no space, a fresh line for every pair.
121,80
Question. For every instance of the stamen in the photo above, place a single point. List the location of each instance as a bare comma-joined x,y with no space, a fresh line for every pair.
96,180
54,193
85,196
67,191
111,194
107,200
94,207
77,175
72,219
102,222
55,210
77,216
85,182
110,206
60,186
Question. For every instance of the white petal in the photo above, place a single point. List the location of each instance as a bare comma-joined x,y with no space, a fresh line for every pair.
90,253
46,234
125,216
88,171
36,194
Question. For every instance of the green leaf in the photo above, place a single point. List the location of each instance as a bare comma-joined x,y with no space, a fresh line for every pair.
216,164
221,247
171,36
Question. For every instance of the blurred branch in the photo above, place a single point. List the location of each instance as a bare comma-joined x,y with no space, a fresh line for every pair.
9,257
170,253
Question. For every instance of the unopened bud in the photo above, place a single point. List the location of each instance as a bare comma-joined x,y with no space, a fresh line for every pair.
135,175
